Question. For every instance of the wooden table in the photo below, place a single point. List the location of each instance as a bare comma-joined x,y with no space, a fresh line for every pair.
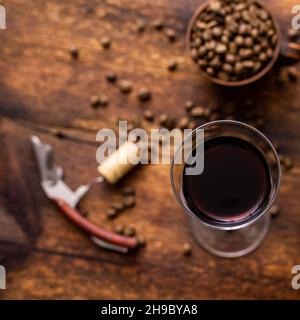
42,90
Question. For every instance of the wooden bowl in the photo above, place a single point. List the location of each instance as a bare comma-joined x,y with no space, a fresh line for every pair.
253,78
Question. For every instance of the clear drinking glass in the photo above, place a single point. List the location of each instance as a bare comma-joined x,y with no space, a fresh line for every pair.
239,237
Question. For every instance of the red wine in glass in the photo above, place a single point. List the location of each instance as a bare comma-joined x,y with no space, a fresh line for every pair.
234,185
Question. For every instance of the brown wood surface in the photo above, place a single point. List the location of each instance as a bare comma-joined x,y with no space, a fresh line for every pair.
41,90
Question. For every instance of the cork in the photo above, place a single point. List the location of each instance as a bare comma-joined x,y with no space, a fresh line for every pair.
117,165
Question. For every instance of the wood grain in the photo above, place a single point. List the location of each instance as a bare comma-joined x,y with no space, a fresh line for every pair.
43,90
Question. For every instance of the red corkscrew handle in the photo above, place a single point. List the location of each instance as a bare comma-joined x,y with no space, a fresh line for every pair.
74,216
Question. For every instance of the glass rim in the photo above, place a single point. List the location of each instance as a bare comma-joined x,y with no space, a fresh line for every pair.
275,186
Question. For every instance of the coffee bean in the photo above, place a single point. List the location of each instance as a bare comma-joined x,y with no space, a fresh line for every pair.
287,163
105,42
257,66
125,86
263,15
144,95
189,105
186,249
210,71
148,115
227,68
215,63
207,35
254,33
111,213
129,202
192,125
170,123
111,76
247,34
74,52
238,68
194,54
274,210
293,74
183,123
119,228
230,58
269,53
158,24
141,241
239,40
262,57
225,39
248,64
129,231
233,48
171,35
118,206
223,76
128,191
140,25
259,123
198,112
202,51
257,48
95,101
217,32
249,42
84,212
245,53
172,65
215,115
220,48
229,108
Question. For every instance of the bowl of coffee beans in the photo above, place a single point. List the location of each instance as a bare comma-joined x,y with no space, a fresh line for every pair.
233,42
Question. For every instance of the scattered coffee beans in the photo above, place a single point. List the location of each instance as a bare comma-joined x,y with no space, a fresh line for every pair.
128,202
233,40
140,25
144,94
125,86
129,231
186,249
189,105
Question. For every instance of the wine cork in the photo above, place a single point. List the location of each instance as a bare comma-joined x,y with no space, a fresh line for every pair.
117,165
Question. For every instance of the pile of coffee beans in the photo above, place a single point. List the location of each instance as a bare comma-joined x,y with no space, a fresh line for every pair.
233,40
